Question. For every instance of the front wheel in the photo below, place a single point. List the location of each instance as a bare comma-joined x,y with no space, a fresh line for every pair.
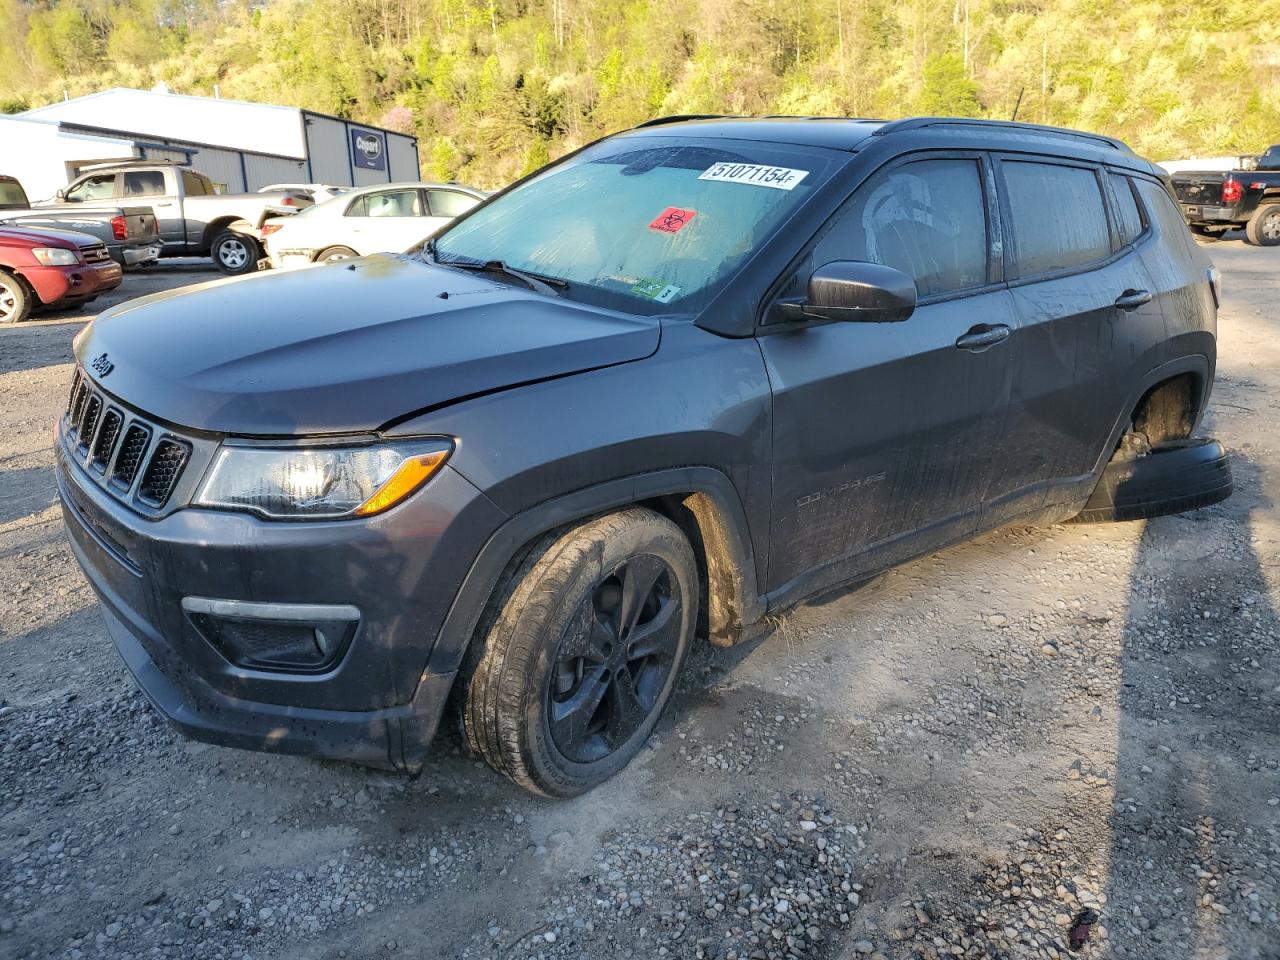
579,652
1263,228
15,299
235,253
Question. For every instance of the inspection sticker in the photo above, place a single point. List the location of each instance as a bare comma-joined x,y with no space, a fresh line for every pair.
672,220
756,174
656,290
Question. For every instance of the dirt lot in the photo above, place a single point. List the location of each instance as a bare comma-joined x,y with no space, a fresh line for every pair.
951,761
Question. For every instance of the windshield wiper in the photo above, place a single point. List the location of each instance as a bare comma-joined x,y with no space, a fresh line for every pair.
541,284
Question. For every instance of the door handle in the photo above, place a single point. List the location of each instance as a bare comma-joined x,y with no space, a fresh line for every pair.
1133,299
982,337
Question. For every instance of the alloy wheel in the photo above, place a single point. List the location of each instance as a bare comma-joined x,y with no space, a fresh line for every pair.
233,254
8,302
1270,226
614,659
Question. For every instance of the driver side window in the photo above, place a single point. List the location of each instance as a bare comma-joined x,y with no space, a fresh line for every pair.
926,218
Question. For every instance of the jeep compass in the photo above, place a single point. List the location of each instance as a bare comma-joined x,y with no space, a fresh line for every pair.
685,376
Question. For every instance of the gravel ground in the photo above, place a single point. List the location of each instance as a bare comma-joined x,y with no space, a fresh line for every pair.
957,759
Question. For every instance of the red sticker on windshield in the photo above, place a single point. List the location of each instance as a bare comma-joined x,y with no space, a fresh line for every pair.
673,220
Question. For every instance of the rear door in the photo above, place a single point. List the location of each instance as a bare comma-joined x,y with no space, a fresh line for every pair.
1078,291
886,435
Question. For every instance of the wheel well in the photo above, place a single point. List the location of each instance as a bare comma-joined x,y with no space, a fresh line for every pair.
215,227
724,581
1169,410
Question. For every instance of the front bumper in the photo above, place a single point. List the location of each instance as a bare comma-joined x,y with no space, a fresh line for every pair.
58,286
379,705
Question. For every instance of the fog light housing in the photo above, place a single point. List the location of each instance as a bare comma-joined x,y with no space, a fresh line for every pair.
286,637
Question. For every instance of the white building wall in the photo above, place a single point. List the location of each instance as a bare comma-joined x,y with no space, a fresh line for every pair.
44,158
260,127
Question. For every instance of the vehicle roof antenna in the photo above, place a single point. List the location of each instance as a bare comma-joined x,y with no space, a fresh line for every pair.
1021,91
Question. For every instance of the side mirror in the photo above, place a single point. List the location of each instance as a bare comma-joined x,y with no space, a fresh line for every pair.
60,195
854,290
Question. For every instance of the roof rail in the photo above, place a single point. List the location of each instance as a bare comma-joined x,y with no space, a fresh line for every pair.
915,123
679,118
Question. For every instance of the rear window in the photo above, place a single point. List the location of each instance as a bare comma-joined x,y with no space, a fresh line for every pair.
1059,221
193,186
1130,218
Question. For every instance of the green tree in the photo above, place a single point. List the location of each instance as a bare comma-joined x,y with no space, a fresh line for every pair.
947,92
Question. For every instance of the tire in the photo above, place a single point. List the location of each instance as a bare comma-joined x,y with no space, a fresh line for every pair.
1173,477
16,300
235,253
334,254
549,642
1263,228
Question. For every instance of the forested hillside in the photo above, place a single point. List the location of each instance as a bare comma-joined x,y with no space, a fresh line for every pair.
496,87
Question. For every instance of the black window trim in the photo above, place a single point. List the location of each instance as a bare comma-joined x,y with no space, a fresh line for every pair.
994,229
1109,176
1007,217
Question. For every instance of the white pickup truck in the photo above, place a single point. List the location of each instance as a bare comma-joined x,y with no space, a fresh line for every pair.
193,219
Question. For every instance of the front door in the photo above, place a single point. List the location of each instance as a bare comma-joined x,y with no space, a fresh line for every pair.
886,436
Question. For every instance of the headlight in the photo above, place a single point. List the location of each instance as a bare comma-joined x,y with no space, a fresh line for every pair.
55,256
320,482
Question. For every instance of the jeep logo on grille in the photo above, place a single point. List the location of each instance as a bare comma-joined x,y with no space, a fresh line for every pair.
102,365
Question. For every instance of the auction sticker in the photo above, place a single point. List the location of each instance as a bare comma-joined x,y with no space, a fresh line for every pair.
755,174
672,220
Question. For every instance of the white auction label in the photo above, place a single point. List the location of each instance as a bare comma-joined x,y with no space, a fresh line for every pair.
756,174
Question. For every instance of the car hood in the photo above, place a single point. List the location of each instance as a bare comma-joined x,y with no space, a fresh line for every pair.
346,347
43,235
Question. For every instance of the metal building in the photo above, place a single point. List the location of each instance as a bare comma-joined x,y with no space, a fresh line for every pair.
243,146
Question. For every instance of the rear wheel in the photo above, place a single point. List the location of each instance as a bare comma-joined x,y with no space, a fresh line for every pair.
334,254
235,253
579,652
16,300
1263,228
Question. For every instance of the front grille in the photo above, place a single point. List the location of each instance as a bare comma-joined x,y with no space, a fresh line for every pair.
89,421
105,442
130,456
138,461
95,254
163,471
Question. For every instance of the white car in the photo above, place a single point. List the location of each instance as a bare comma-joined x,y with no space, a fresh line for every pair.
319,192
388,218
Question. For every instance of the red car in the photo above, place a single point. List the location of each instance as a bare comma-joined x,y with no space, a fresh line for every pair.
40,267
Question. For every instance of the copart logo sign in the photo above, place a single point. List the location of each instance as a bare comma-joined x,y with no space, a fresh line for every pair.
368,149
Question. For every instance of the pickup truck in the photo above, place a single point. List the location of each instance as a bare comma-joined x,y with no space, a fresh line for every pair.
130,233
1214,202
194,219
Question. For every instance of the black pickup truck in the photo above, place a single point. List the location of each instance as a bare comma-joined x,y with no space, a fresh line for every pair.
1214,202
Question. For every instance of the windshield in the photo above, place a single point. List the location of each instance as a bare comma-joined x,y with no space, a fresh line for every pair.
644,225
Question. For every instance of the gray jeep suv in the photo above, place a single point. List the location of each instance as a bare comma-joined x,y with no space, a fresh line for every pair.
685,376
